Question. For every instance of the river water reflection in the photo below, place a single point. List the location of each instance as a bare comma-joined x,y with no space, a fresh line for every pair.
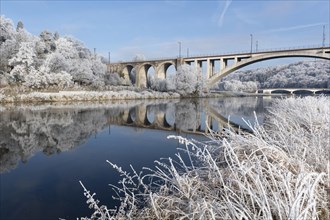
46,149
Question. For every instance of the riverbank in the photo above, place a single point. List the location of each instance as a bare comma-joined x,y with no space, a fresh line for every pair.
69,96
280,171
31,96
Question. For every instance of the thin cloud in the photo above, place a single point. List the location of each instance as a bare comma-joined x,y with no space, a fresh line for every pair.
223,13
296,27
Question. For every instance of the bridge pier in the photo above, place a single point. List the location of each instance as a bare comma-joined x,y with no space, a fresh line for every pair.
160,119
223,64
140,114
198,64
208,68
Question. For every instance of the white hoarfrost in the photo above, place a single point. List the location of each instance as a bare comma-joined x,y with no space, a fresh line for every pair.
280,171
59,96
188,80
48,60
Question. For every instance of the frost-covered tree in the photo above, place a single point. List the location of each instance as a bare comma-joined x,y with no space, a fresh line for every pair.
16,51
45,60
139,57
20,25
7,31
23,61
66,48
81,71
170,82
98,67
35,79
188,80
84,68
25,55
61,79
49,41
8,47
23,35
56,62
56,35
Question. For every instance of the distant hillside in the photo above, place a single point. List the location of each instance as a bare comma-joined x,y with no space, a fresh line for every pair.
304,74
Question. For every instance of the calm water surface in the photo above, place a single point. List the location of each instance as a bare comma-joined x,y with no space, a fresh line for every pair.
46,149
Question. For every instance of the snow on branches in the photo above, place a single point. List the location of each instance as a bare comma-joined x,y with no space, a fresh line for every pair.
45,60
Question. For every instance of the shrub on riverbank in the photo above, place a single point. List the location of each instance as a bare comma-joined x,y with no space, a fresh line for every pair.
281,171
68,96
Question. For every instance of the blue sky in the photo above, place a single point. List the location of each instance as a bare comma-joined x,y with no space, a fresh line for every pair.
154,28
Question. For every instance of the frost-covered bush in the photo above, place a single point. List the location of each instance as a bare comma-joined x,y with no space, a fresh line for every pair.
157,84
280,171
115,80
35,79
187,81
61,79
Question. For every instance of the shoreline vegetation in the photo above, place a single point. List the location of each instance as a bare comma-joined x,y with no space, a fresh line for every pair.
279,171
127,93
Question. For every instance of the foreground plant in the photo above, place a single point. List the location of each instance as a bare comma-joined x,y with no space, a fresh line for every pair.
280,171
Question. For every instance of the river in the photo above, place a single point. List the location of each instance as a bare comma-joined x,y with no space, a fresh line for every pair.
45,149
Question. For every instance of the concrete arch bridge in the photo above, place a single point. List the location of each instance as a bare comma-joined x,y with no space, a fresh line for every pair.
225,63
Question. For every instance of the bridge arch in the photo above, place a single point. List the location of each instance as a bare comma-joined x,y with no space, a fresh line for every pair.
131,117
141,74
163,68
281,91
150,115
258,58
127,72
303,91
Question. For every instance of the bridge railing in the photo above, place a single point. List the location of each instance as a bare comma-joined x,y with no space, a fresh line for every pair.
147,59
227,53
259,51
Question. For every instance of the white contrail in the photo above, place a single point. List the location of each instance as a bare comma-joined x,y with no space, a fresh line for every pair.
295,27
222,16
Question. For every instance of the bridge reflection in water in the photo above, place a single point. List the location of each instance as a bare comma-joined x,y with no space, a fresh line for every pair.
185,116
